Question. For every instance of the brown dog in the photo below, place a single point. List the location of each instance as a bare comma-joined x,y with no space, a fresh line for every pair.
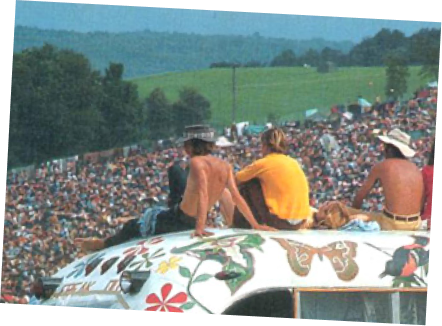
332,215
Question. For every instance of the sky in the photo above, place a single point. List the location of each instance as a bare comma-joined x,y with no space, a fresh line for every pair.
89,18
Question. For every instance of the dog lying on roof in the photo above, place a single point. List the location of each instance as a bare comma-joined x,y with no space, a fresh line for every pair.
335,215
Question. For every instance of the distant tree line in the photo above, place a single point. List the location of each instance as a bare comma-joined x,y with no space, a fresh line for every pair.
148,52
60,107
422,48
248,64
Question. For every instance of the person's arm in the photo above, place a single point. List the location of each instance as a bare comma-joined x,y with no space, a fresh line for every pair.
200,177
249,172
242,205
366,187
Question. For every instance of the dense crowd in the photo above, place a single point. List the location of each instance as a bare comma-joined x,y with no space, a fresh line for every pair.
44,215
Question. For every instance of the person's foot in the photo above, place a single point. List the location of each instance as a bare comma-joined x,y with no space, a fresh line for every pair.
89,244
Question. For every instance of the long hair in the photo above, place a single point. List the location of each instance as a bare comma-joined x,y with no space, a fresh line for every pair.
200,147
275,140
436,155
393,152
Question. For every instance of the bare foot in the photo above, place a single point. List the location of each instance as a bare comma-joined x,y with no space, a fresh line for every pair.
89,244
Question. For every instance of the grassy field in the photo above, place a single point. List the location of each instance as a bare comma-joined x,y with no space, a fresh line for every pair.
287,92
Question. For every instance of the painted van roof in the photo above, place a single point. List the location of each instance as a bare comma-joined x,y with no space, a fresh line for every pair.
210,274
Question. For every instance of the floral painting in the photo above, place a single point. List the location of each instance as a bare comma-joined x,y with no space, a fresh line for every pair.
86,267
167,302
234,253
134,257
142,247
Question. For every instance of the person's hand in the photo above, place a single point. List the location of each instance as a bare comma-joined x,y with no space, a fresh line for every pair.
201,233
263,227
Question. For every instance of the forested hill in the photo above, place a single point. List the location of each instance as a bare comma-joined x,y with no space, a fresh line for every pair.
147,52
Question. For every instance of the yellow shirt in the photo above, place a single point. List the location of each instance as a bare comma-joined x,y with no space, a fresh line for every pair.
284,185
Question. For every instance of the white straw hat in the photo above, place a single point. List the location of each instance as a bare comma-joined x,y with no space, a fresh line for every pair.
401,140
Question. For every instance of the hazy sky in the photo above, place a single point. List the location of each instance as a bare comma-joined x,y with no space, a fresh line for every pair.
86,17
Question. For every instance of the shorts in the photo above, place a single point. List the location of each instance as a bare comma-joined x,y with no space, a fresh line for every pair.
155,220
388,223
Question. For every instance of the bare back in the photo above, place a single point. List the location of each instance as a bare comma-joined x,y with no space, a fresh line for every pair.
213,174
403,186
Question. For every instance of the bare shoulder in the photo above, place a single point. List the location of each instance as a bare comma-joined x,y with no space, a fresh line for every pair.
197,164
381,165
226,164
203,162
197,160
379,168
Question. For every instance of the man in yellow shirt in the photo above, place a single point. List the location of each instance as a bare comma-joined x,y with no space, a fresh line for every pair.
284,200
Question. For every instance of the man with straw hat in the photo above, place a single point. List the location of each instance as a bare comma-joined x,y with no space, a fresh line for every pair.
208,179
402,185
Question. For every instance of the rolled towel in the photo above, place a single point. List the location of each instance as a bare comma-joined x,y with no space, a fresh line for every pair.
359,225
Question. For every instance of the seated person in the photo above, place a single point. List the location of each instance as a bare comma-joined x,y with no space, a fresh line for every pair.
275,187
177,175
208,178
402,185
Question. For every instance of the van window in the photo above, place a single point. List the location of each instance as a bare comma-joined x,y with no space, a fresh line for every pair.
375,307
413,308
345,306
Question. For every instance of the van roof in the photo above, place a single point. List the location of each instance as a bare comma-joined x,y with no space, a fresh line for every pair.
212,273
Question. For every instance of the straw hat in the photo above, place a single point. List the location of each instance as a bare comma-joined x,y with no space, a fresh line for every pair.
401,140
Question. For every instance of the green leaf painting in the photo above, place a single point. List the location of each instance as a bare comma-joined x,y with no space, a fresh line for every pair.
185,272
202,278
226,250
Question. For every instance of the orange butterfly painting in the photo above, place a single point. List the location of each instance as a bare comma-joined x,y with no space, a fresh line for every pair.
341,255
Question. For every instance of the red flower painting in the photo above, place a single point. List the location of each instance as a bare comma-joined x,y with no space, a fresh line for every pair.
165,304
139,249
142,247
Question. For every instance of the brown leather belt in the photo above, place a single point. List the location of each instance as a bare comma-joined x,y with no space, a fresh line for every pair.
408,218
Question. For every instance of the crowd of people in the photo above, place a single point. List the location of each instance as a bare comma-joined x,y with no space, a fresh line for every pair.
45,214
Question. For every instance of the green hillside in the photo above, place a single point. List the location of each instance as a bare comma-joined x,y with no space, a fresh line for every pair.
287,92
148,52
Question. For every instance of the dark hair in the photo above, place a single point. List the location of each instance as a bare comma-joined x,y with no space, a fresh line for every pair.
393,152
436,155
200,147
274,139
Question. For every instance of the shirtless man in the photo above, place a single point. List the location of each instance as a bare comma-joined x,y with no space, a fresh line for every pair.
208,178
402,185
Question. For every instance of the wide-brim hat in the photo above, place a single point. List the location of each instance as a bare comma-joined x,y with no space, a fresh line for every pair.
400,140
202,132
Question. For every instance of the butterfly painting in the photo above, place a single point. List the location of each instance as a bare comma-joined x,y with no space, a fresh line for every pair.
341,255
